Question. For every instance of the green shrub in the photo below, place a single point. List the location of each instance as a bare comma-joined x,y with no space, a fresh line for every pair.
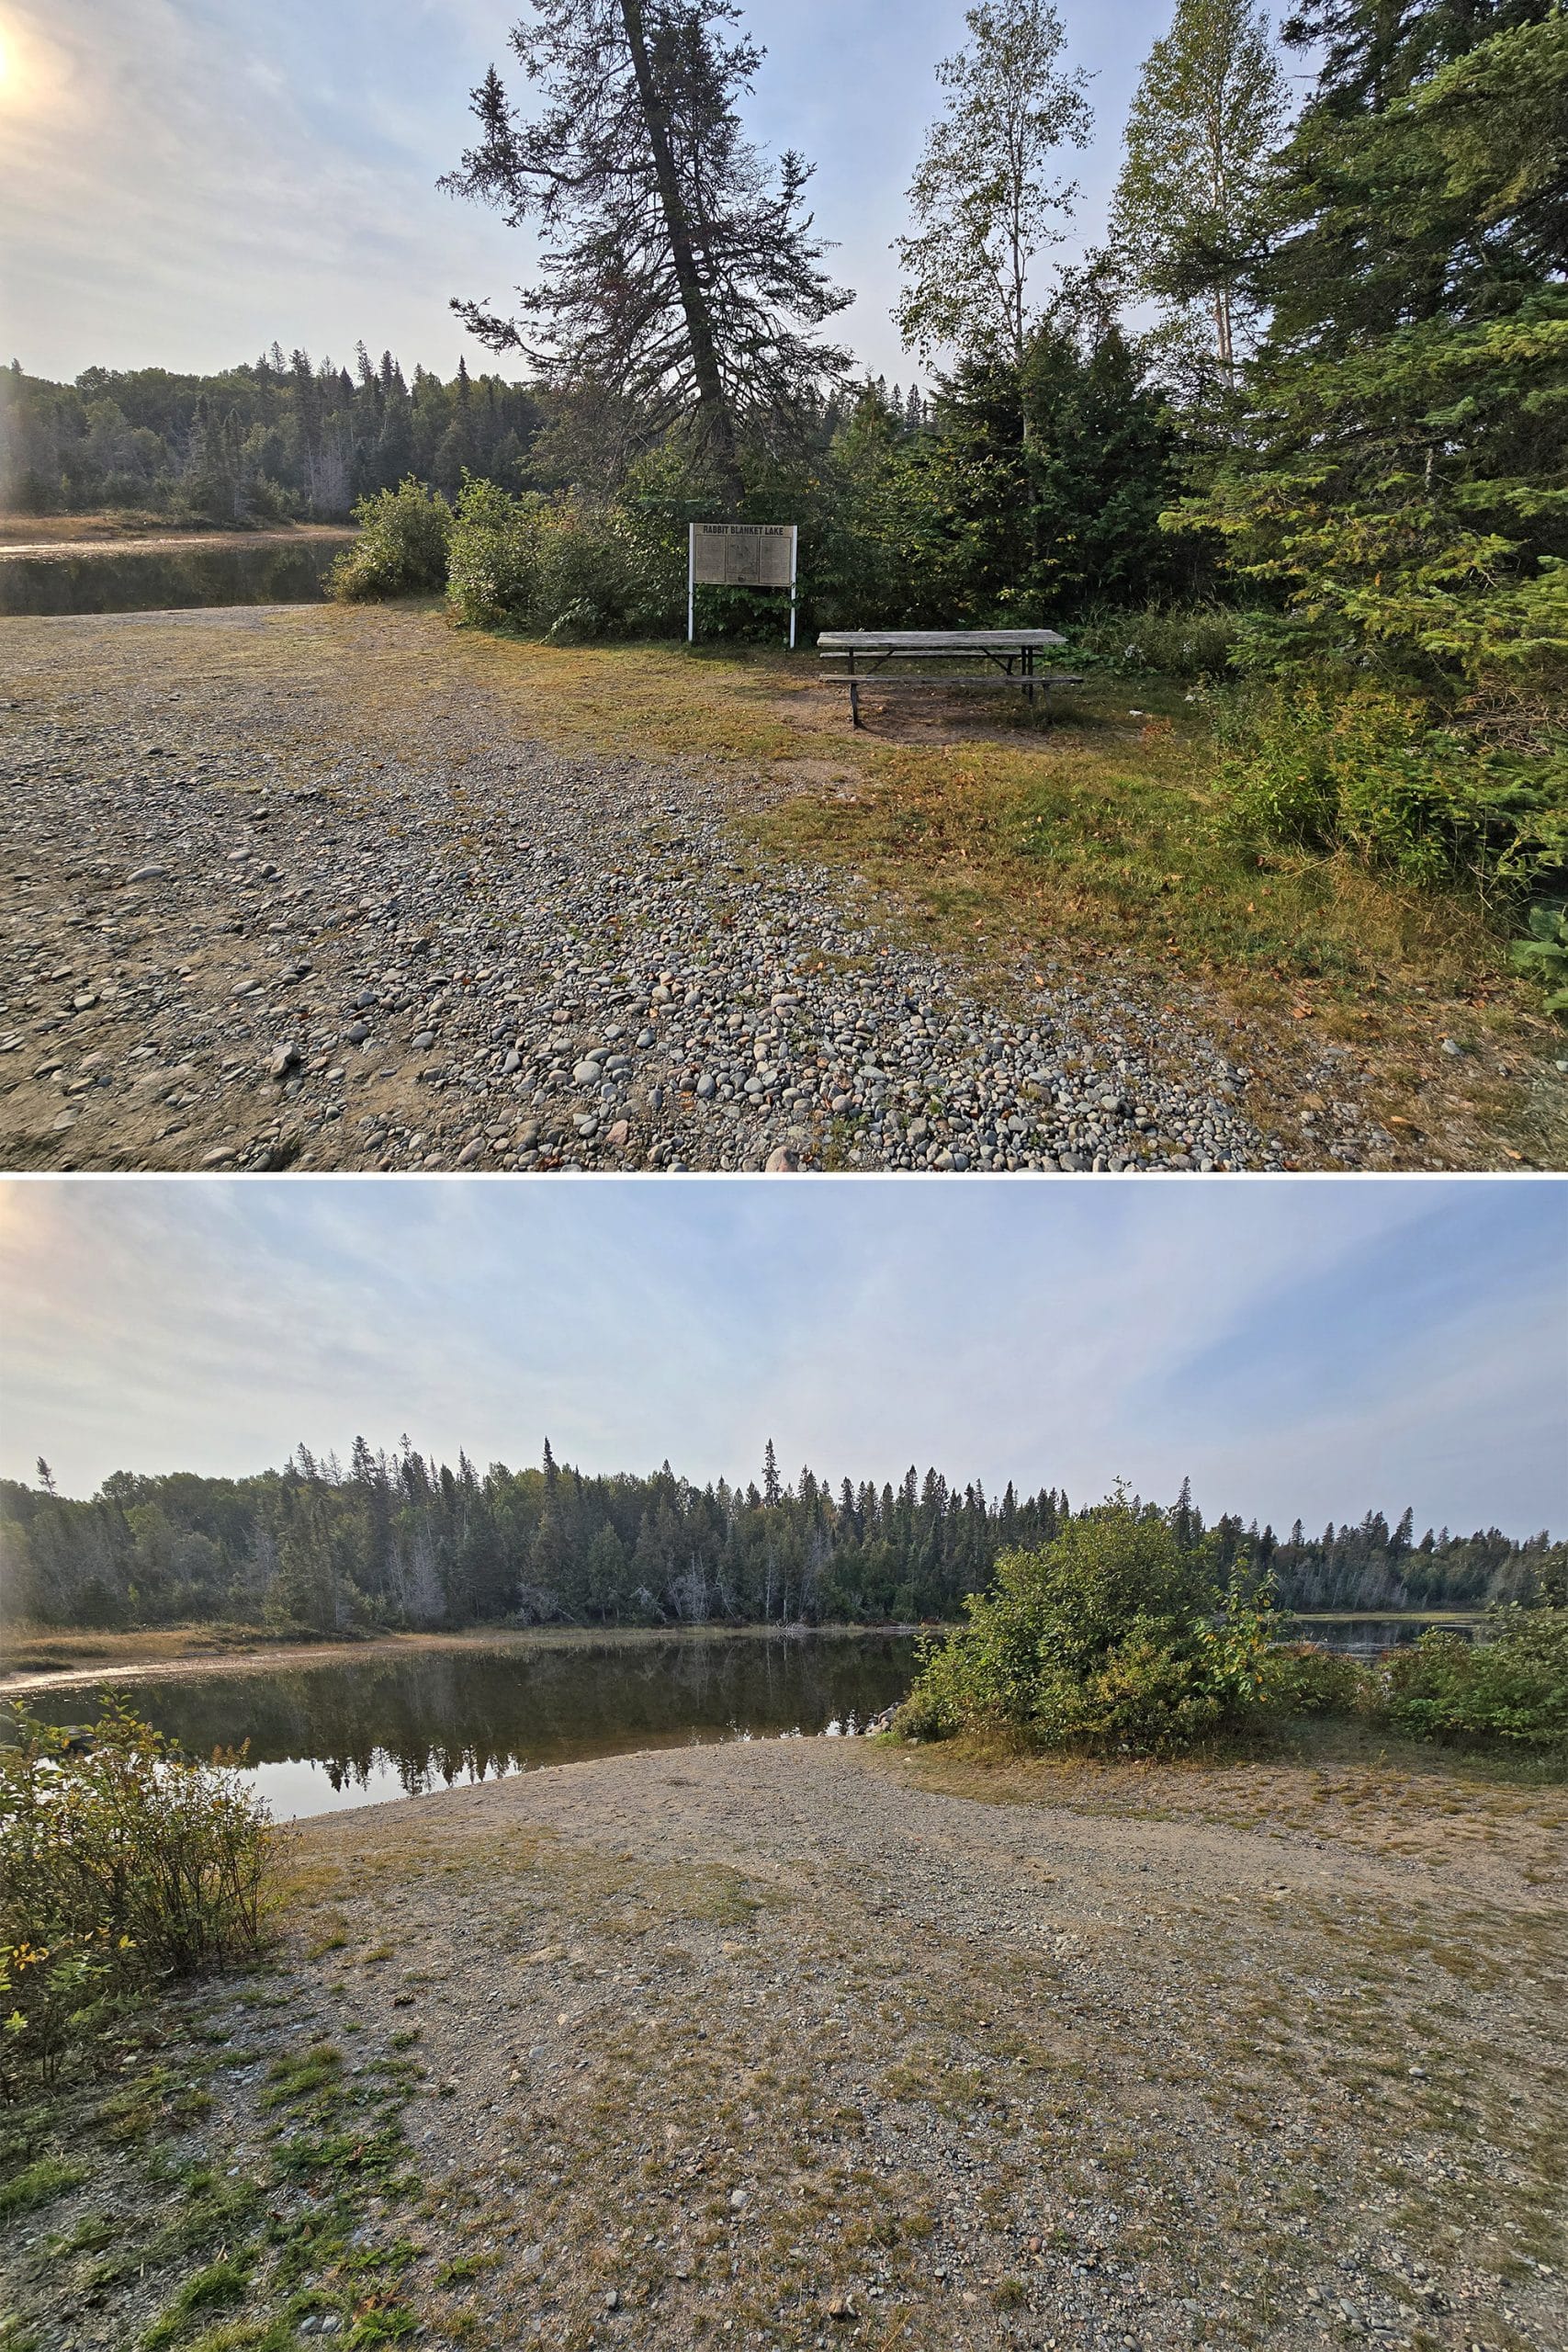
1186,641
492,559
1543,955
563,567
1511,1685
1362,767
595,582
121,1865
402,546
1115,1637
928,1712
1306,1680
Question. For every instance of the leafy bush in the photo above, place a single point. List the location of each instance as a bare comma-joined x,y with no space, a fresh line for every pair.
121,1865
602,576
564,568
1543,955
1512,1685
402,546
1306,1680
493,557
1363,767
1187,642
1114,1637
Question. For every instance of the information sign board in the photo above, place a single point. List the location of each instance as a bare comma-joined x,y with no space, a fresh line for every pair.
740,555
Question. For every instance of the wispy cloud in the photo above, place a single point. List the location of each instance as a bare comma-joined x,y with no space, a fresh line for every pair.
183,180
1308,1349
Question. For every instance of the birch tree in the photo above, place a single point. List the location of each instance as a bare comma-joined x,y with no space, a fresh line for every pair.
985,202
1190,212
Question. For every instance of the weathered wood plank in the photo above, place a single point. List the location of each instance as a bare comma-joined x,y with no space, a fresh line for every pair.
879,681
936,640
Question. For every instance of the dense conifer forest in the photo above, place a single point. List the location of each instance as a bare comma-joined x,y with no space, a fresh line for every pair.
279,439
398,1540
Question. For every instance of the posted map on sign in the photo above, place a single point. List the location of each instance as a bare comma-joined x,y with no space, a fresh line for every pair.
742,555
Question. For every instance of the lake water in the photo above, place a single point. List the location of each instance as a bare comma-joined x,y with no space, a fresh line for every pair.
326,1737
1368,1636
166,577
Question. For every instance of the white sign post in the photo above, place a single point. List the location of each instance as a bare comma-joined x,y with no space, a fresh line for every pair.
740,555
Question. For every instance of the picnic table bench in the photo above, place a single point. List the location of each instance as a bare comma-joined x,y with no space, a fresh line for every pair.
998,657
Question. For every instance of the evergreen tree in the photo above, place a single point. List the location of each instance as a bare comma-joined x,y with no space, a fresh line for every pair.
674,272
1401,485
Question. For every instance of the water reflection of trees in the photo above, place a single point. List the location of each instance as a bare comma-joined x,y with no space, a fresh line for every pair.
444,1716
119,581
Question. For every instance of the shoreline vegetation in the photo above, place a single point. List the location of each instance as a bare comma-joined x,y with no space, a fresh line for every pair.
42,1657
114,533
80,1658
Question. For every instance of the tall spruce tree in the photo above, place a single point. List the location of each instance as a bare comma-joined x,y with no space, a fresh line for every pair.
1402,488
675,270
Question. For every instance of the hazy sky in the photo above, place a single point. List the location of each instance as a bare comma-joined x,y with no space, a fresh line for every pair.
183,180
1310,1348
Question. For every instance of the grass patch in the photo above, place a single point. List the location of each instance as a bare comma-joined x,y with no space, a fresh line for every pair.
1104,839
218,2288
39,2184
231,2261
245,2336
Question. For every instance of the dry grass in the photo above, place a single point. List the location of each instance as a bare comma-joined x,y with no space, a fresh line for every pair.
123,526
1336,1782
45,1649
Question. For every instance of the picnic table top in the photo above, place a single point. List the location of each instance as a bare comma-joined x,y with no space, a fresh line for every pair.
936,640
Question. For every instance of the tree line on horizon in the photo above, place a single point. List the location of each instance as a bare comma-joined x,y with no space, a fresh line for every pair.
402,1541
281,439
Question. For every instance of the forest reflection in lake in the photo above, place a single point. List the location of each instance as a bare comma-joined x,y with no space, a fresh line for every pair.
170,578
327,1737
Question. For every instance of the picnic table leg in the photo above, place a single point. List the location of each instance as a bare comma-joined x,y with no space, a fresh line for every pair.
1029,673
855,691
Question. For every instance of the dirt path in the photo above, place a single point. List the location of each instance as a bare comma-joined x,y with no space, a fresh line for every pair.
309,887
784,2044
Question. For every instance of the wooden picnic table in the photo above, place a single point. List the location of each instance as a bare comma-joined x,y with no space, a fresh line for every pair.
1001,657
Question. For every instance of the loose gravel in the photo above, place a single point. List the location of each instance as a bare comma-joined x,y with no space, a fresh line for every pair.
913,2069
787,2043
253,923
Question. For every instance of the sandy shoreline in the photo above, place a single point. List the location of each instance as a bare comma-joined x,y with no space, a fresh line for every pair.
797,2042
173,543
